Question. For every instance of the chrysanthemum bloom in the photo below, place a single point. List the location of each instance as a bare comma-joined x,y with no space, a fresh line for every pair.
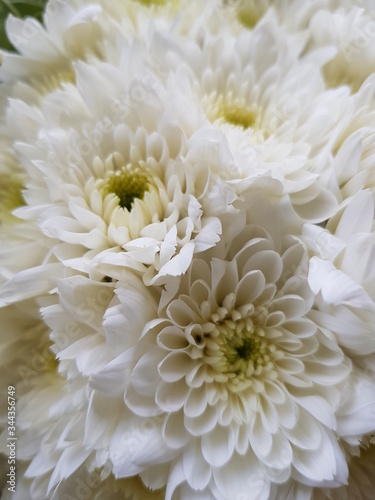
70,31
351,29
25,277
53,461
75,30
24,339
205,345
272,107
347,162
125,171
295,15
25,359
248,384
223,381
24,355
59,454
345,303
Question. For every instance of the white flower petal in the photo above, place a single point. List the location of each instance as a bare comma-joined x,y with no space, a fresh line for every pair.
218,445
197,471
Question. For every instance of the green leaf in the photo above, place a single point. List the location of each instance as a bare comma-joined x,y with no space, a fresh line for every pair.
19,8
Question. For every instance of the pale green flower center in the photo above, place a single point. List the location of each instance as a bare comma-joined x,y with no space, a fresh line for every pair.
128,184
234,111
248,17
250,12
236,350
243,349
238,115
148,3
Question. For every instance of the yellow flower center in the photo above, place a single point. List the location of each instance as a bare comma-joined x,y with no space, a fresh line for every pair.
250,12
243,350
247,18
241,116
237,352
234,111
128,183
148,3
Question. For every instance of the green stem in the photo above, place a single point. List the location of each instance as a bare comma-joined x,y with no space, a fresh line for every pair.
11,8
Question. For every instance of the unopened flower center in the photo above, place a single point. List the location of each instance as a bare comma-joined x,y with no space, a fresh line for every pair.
237,351
250,12
128,183
242,117
242,347
148,3
244,350
235,112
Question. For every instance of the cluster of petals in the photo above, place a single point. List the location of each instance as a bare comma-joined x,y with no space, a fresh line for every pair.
187,261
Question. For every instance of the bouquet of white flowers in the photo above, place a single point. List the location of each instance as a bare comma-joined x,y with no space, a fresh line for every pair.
187,274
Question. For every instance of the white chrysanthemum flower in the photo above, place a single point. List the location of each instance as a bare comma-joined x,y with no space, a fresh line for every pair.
19,238
347,163
24,352
345,304
294,14
351,29
241,374
72,30
25,358
51,449
227,378
272,107
129,171
46,52
80,29
208,346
